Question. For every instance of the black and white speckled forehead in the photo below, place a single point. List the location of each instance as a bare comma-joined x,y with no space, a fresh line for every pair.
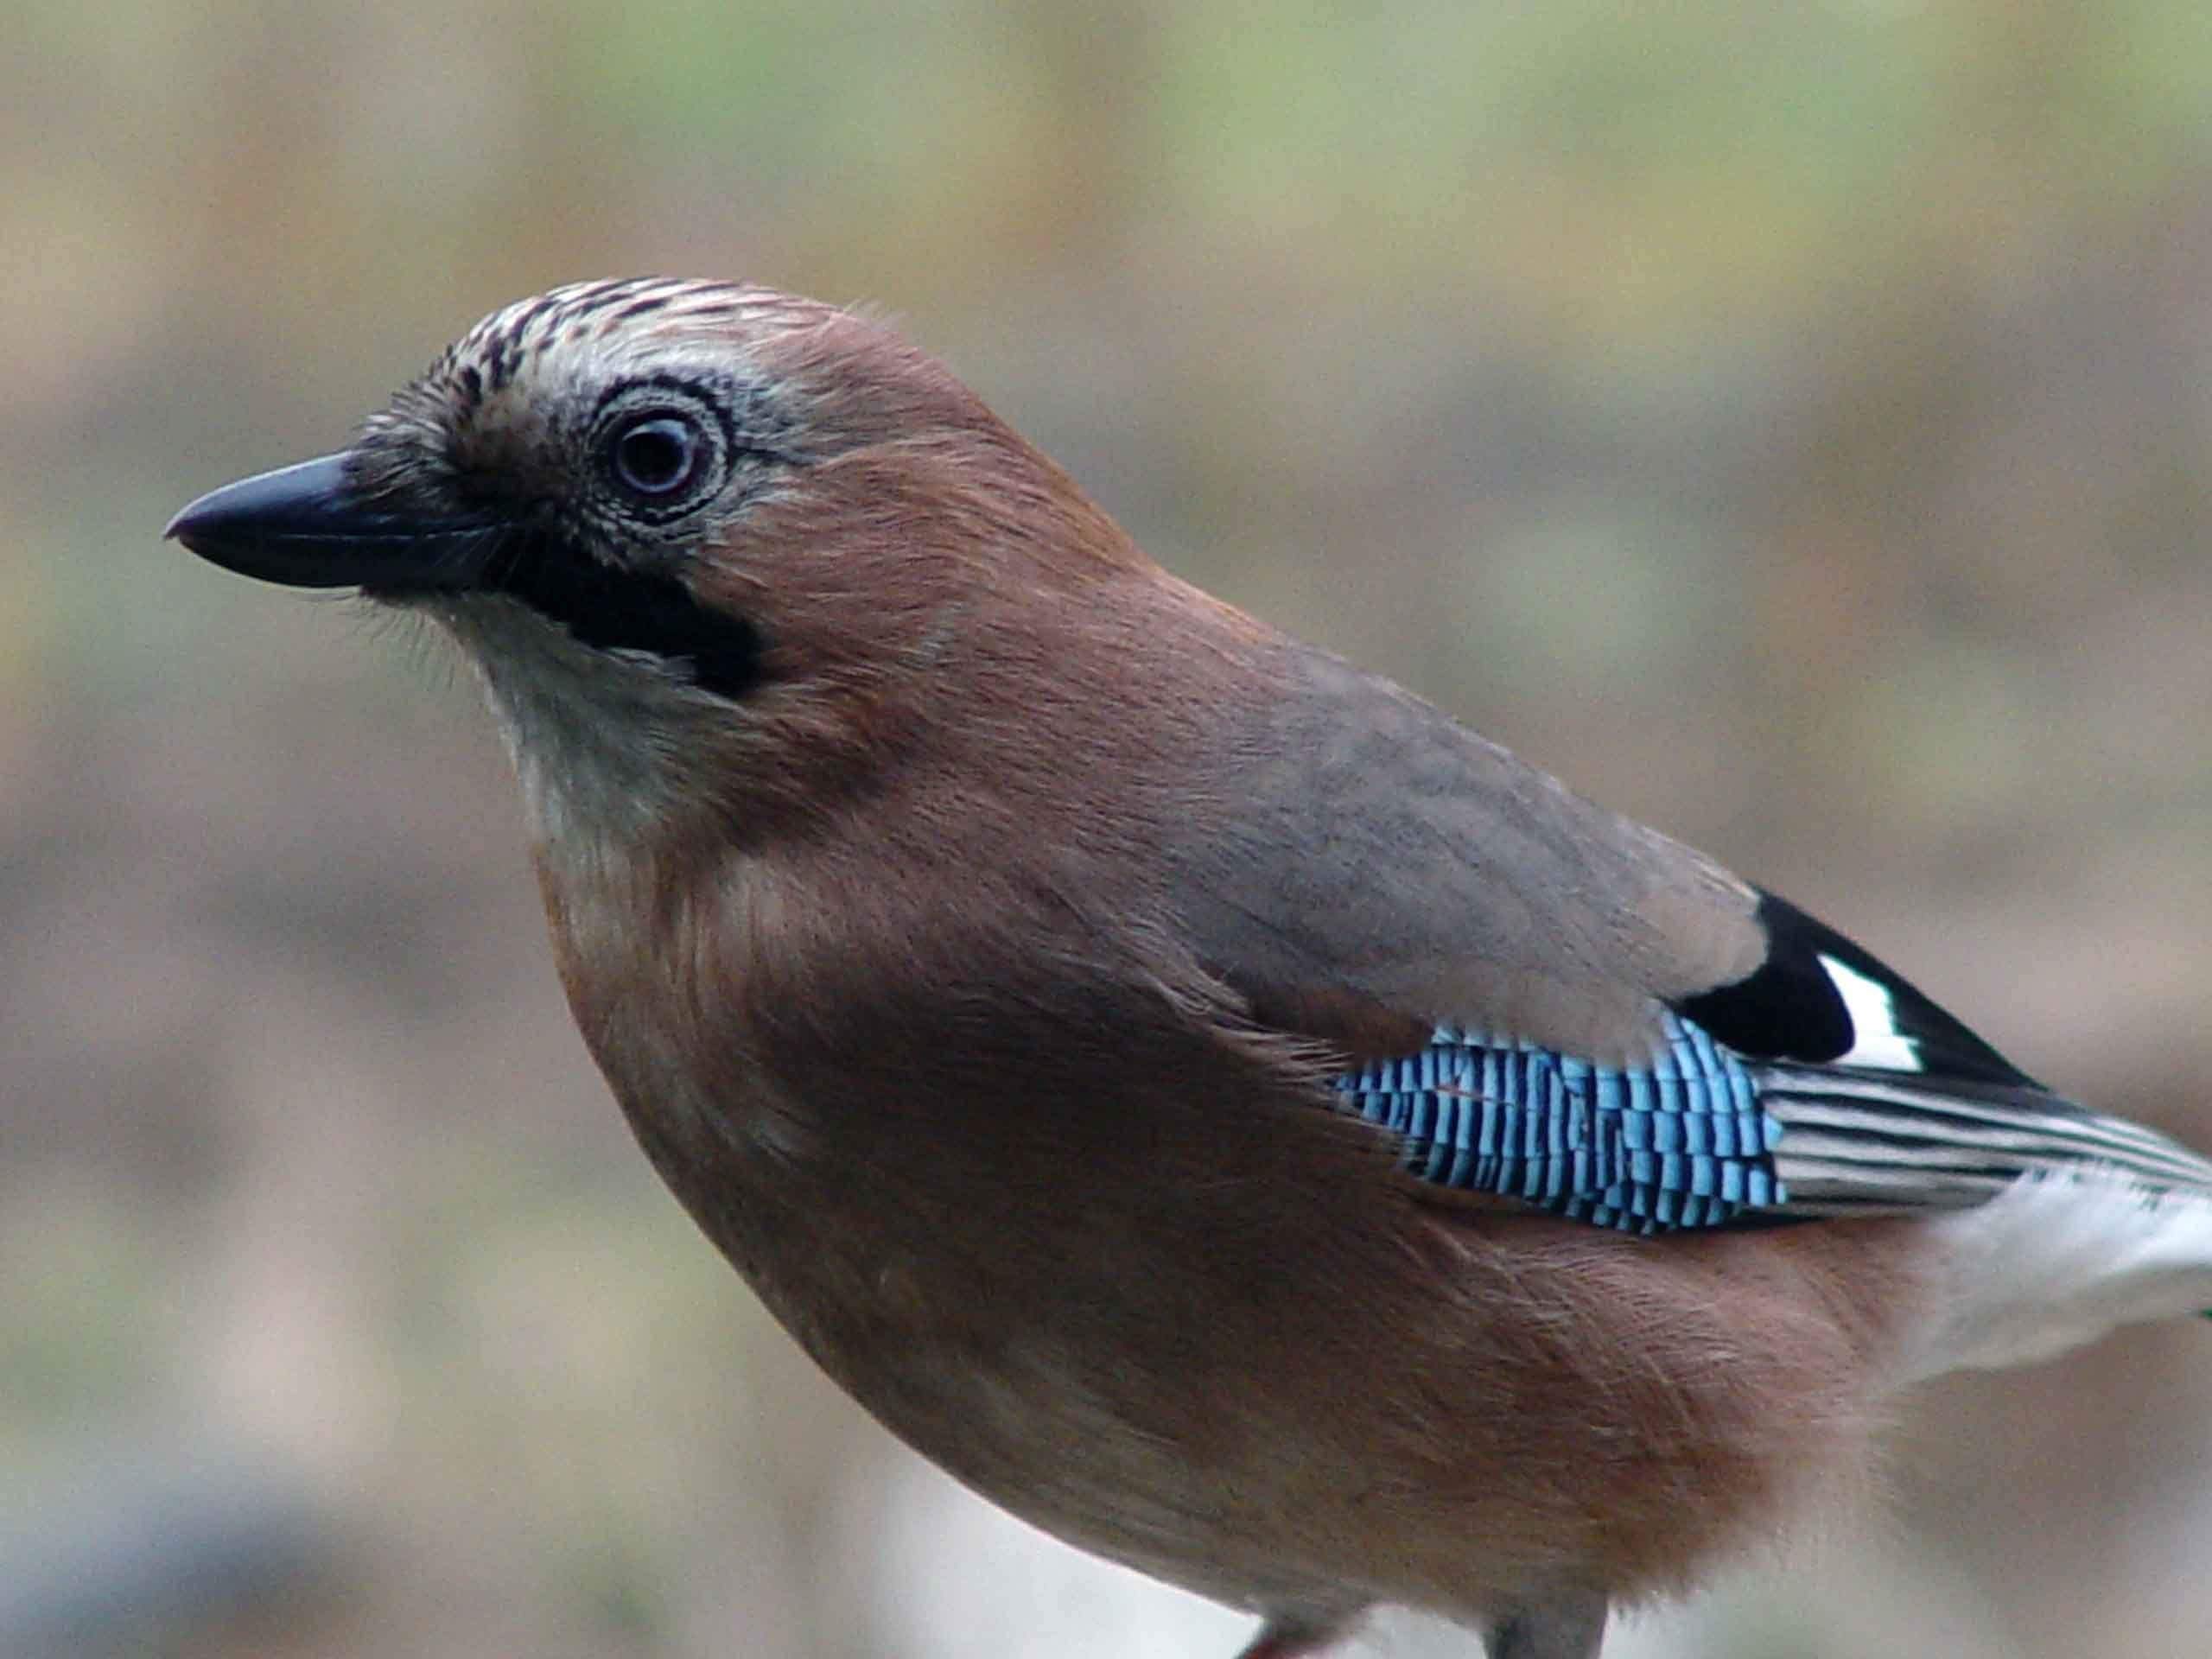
627,322
498,399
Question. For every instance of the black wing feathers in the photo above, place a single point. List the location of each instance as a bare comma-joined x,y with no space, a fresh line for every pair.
1790,1008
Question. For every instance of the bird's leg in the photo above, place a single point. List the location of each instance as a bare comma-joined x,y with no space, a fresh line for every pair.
1292,1638
1572,1627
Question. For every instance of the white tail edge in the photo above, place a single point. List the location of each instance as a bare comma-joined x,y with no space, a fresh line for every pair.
2057,1260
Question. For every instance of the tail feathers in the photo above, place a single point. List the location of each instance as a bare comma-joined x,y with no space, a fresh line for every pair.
1858,1139
2057,1260
2054,1224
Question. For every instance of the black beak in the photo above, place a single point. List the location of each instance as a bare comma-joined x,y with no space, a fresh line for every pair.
303,526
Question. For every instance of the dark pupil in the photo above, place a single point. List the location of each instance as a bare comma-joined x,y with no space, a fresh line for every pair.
653,457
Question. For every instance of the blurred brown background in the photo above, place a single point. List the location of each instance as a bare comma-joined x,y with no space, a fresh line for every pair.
1789,423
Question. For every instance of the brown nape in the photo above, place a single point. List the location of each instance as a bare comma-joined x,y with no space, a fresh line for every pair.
859,384
947,599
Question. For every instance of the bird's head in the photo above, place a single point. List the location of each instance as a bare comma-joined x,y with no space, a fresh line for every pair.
702,541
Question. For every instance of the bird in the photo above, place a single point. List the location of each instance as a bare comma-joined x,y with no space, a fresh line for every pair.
1200,1094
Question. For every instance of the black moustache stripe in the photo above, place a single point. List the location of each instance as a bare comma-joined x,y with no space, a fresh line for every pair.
619,610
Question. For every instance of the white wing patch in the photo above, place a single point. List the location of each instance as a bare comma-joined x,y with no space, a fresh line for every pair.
1875,1038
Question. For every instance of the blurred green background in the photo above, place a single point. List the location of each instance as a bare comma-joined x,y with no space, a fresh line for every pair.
1789,423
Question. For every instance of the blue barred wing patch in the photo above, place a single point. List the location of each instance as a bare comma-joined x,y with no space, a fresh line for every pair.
1680,1142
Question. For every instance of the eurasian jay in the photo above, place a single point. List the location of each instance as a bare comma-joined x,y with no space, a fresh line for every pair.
1210,1102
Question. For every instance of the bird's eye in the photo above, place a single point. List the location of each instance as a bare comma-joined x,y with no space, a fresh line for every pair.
659,456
